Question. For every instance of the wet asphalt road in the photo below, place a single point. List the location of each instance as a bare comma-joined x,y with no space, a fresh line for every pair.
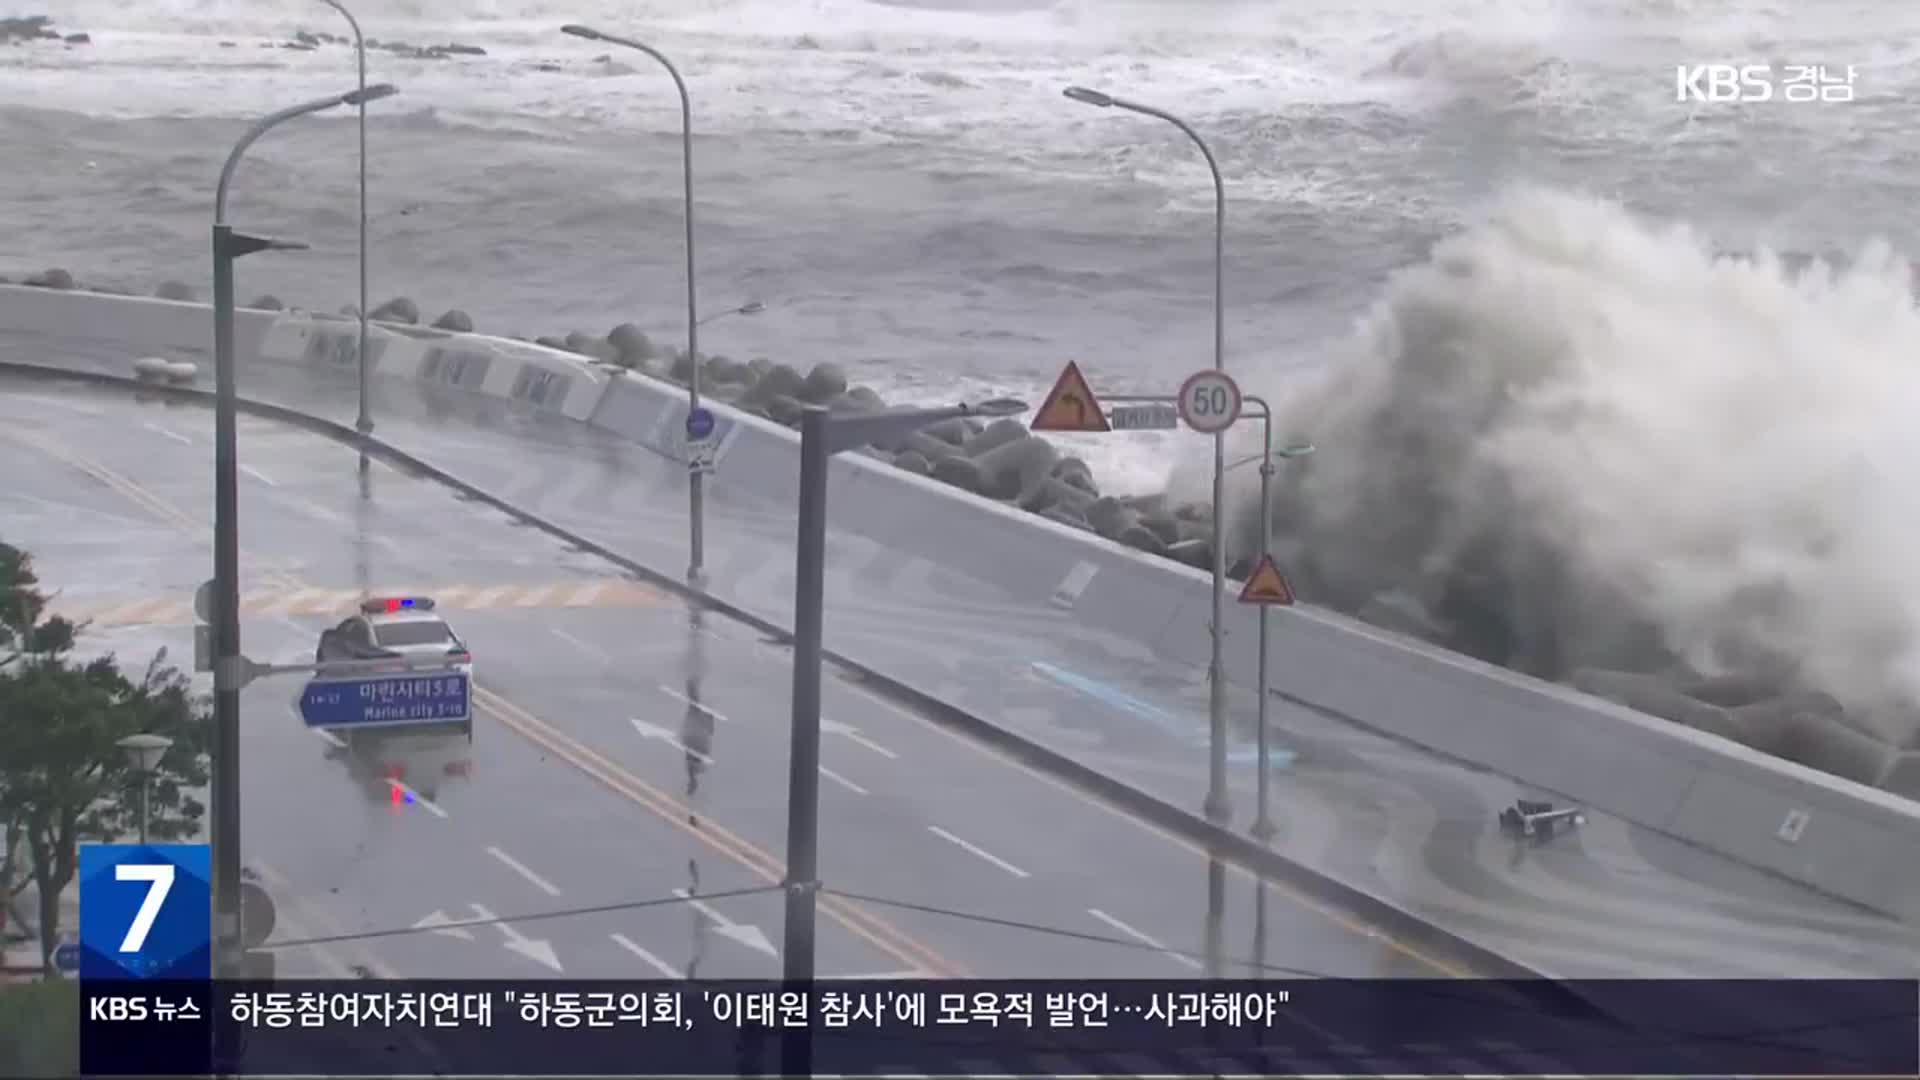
624,752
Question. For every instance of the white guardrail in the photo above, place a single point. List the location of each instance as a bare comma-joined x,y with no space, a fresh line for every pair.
1848,840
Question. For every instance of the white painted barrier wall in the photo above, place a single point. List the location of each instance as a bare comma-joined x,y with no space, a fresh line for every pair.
1855,842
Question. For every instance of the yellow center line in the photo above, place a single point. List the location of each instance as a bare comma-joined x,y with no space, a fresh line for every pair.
854,917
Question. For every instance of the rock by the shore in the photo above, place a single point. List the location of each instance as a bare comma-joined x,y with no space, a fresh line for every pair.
400,309
267,302
174,290
25,28
52,278
631,343
454,320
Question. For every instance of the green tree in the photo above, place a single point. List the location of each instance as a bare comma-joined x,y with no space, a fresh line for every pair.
63,778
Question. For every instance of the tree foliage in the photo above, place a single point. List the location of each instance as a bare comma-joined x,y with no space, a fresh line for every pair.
63,777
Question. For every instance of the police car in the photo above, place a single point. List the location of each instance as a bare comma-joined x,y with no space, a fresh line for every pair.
398,628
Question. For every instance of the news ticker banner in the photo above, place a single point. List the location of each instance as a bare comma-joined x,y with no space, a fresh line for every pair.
942,1028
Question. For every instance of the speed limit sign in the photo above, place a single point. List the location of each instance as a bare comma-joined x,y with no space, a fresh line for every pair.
1210,401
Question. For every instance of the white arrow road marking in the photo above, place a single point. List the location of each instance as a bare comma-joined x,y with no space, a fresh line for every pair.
540,952
520,868
652,961
690,703
1142,938
852,734
655,731
439,923
745,934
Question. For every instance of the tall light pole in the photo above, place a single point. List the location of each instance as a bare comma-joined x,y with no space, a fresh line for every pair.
229,666
1218,807
696,477
822,435
144,752
364,422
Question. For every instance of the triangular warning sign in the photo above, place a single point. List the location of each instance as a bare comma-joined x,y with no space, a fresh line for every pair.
1070,405
1266,585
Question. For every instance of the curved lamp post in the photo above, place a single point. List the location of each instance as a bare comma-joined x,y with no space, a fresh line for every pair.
696,478
228,674
364,422
144,752
822,435
1217,807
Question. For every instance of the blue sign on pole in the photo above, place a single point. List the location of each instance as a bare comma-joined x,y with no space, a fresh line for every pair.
66,956
386,699
699,424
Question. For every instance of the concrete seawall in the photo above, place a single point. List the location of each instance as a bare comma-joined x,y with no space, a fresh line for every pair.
1843,838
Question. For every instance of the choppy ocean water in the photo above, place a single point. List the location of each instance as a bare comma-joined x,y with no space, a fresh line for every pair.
903,183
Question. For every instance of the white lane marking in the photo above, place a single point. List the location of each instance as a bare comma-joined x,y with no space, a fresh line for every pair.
168,432
336,740
583,645
258,475
852,734
426,803
652,961
979,851
842,781
490,596
690,703
1143,938
520,868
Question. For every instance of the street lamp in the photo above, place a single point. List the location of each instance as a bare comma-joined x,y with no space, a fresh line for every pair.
751,307
364,423
822,435
229,670
1263,827
696,478
1217,807
144,752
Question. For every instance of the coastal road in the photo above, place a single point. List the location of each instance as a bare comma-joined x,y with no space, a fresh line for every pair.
628,751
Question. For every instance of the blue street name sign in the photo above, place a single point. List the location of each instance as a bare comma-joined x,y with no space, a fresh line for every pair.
699,424
386,699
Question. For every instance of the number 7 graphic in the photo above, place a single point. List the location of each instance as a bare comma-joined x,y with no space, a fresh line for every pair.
159,876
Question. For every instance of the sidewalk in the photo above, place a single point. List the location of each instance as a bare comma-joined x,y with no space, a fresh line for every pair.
20,944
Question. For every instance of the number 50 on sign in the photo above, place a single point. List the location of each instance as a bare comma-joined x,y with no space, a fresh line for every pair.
1210,401
146,911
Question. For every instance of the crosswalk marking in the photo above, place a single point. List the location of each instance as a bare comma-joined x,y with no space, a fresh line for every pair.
177,608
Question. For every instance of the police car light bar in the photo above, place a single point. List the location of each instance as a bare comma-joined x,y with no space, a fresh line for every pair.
390,604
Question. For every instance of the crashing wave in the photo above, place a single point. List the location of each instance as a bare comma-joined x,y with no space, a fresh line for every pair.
1574,440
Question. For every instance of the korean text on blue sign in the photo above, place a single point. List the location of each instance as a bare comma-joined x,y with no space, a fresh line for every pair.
386,700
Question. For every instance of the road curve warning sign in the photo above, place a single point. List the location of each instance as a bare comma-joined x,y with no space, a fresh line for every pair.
1266,585
1070,405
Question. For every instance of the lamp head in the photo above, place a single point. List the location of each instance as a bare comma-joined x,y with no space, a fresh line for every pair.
1005,406
579,31
144,751
1297,450
371,93
1089,97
